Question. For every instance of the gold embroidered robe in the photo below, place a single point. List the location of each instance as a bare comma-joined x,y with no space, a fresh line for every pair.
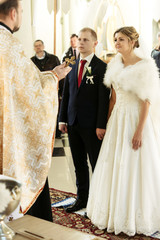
28,112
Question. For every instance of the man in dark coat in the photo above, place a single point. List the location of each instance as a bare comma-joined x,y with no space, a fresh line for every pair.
156,52
83,112
72,50
45,62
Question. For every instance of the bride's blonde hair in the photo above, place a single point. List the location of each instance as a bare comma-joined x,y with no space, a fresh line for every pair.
131,33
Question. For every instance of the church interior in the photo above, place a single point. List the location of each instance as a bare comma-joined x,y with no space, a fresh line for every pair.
53,22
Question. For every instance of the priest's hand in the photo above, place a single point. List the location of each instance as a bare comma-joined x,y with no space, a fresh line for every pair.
61,71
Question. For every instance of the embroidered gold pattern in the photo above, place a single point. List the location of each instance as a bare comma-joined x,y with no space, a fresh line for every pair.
28,110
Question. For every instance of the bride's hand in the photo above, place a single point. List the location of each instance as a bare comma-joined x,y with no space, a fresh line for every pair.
137,140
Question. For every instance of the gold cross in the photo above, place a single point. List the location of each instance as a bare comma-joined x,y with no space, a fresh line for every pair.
70,61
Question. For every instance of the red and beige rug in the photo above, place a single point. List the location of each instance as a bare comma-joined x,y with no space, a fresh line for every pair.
78,222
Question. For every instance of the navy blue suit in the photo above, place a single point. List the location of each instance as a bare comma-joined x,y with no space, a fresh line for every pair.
84,109
156,55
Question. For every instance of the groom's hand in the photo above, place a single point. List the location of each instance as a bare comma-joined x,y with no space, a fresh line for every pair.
63,127
100,133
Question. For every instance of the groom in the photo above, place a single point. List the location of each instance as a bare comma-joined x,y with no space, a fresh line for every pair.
83,112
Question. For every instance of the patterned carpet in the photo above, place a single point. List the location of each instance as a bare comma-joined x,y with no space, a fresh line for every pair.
81,223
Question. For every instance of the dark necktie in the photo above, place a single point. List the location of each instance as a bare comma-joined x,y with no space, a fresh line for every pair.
75,53
83,62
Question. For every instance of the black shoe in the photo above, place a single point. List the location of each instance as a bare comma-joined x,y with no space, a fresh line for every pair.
85,215
78,205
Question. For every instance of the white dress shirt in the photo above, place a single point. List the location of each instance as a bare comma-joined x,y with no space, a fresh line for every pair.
88,59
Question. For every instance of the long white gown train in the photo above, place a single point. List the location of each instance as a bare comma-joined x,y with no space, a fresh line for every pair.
125,188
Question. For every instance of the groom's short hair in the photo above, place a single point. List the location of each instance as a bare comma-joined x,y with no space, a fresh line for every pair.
93,33
7,5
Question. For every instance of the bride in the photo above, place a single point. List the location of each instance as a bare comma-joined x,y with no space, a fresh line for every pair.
125,188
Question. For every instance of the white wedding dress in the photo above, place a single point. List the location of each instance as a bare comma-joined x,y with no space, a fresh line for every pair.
125,188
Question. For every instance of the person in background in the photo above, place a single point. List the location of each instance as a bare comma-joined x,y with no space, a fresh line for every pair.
83,112
42,59
73,49
28,113
45,62
156,52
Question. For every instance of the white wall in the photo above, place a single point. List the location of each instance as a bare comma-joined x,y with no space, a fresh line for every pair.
43,23
25,32
37,23
140,13
38,20
137,13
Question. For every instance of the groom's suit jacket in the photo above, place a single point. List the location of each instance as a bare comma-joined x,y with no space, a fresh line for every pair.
89,103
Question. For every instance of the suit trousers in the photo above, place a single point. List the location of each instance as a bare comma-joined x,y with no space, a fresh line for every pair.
83,142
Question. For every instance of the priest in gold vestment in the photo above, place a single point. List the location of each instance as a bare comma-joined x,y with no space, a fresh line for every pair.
28,109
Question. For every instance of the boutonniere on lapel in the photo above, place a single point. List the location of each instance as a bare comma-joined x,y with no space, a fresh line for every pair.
89,76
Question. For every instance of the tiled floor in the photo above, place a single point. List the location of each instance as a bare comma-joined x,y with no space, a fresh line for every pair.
61,174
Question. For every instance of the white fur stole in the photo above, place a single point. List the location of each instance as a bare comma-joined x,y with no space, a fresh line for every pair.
141,78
